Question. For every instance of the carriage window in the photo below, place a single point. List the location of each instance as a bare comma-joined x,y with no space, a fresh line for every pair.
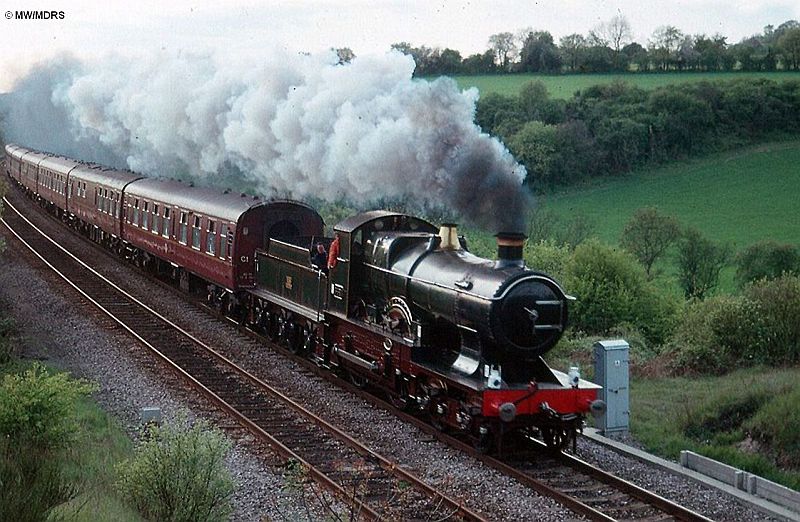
97,198
114,204
135,212
223,242
106,201
156,220
211,239
184,225
146,215
196,233
167,223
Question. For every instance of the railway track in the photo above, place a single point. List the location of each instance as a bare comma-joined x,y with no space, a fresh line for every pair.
375,487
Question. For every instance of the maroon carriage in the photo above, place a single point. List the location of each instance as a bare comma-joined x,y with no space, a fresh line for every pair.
53,182
13,155
95,201
210,234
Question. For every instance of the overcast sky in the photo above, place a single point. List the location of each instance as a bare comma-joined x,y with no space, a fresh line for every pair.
249,27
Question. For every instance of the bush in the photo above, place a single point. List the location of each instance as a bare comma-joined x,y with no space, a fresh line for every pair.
37,407
612,290
547,256
779,306
37,421
725,332
179,474
766,260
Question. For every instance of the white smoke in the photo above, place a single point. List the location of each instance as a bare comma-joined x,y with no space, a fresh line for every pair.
296,125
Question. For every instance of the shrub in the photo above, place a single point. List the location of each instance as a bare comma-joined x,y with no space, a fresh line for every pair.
779,306
547,256
37,420
37,407
766,260
612,290
724,332
179,474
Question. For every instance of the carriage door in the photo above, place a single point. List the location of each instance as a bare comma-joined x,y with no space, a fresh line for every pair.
339,277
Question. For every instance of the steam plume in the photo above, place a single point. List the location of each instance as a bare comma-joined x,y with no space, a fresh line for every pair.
299,125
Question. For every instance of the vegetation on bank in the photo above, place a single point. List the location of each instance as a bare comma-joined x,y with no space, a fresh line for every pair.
54,448
747,418
610,130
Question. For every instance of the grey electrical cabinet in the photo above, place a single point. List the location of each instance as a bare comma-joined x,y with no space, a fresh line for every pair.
611,372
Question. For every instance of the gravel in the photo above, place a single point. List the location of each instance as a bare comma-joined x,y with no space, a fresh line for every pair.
126,385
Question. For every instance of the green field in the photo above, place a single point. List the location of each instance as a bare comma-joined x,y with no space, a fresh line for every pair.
739,197
564,86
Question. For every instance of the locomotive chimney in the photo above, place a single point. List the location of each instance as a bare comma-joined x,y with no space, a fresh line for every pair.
509,249
449,234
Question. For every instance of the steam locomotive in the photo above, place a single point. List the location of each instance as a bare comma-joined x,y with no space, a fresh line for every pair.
406,308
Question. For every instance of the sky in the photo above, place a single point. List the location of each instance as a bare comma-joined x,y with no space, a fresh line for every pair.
244,28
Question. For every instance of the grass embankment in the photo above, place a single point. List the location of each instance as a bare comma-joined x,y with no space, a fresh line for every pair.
564,86
748,419
99,445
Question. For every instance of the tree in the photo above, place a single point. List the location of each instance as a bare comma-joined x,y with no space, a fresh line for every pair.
504,48
479,63
637,55
664,45
648,235
789,45
711,52
535,104
539,53
700,261
572,47
450,61
403,47
614,33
